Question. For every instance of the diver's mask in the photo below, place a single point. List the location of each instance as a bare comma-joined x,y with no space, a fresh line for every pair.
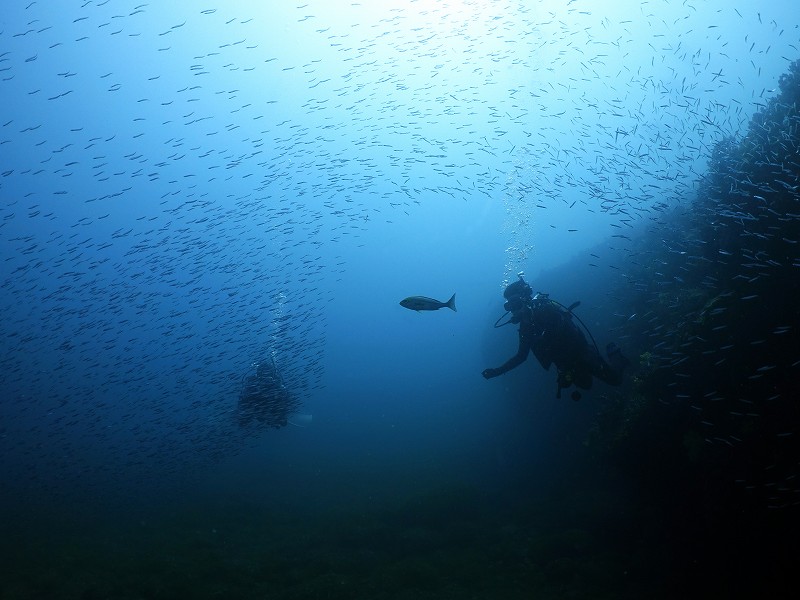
516,306
518,295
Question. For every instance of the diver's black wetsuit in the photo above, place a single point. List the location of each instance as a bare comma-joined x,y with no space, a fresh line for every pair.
549,332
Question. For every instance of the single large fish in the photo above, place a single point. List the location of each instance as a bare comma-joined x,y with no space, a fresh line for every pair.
423,303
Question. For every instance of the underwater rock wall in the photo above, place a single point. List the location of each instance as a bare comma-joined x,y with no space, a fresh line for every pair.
714,293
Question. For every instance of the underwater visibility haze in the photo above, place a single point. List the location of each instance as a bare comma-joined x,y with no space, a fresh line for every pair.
230,238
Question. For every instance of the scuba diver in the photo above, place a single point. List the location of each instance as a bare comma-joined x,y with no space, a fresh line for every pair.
264,399
547,329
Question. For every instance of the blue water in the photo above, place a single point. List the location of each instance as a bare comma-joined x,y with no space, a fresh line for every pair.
188,190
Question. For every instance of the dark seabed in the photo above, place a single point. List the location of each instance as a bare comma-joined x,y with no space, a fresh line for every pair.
210,214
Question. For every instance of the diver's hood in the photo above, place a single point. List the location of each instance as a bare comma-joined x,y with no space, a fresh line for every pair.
518,288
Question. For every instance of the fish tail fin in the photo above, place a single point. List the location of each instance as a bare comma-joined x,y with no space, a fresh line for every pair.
451,304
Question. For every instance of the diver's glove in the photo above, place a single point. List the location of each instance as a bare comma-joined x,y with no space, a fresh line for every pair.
489,373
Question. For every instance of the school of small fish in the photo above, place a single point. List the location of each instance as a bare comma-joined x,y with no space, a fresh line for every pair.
178,187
